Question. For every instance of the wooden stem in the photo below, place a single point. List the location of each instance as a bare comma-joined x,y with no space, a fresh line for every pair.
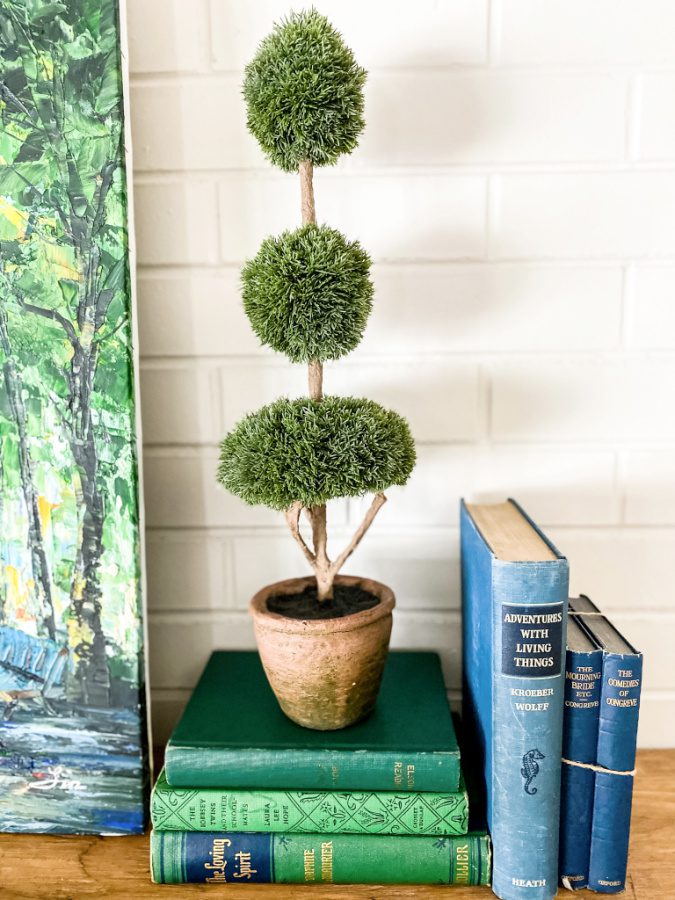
317,514
378,502
306,170
293,518
323,567
315,379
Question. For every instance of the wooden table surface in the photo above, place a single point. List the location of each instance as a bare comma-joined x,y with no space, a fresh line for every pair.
40,867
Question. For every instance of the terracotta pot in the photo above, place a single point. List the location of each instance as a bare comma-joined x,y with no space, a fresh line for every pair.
325,673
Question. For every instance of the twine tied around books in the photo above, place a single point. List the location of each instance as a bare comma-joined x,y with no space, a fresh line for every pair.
593,768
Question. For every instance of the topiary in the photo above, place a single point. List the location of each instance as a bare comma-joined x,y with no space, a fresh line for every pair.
310,451
308,294
304,93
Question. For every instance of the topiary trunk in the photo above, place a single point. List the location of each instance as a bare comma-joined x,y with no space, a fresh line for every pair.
317,514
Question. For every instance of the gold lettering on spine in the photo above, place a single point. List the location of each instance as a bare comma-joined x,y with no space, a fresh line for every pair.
327,861
309,865
218,862
244,860
462,864
409,775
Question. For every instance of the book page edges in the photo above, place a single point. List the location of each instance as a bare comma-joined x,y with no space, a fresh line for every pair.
509,534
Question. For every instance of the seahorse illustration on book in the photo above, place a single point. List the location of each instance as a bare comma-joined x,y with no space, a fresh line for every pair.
530,769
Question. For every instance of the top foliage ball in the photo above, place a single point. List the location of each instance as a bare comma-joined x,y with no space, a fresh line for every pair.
304,92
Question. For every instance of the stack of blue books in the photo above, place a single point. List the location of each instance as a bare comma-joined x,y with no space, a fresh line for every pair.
550,711
603,678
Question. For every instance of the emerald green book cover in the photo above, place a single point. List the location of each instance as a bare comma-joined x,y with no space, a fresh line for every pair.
179,857
233,734
331,812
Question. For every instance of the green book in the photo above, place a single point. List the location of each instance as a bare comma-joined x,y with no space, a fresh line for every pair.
329,812
233,733
233,858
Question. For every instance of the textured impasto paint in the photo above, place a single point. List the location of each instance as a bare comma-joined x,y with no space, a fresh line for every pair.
71,656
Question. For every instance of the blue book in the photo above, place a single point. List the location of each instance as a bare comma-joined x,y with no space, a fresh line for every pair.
615,755
514,589
583,674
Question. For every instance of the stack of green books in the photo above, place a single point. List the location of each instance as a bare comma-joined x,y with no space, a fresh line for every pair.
247,795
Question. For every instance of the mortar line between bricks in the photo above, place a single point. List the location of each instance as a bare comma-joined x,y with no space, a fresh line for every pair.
619,483
594,354
492,215
622,482
627,305
208,22
575,445
196,533
169,78
179,270
421,169
493,33
477,260
417,530
633,116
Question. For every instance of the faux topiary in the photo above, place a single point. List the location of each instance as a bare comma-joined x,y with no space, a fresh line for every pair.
310,451
308,294
304,93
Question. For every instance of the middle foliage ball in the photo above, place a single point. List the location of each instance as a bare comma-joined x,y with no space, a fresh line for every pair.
308,293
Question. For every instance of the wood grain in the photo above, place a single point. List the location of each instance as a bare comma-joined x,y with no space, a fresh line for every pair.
36,867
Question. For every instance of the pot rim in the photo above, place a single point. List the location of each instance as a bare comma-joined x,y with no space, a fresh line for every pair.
276,622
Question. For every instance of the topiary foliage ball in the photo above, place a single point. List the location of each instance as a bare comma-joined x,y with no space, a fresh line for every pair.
304,92
314,451
308,293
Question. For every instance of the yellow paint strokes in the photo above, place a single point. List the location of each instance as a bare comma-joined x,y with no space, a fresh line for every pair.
87,334
14,216
59,261
45,511
47,66
79,635
79,584
13,581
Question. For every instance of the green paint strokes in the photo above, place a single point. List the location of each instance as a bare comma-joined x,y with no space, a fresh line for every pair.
69,517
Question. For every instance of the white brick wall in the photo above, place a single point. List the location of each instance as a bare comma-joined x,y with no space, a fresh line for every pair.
515,186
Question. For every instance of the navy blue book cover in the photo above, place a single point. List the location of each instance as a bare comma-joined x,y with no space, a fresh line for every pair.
514,620
615,751
583,674
617,735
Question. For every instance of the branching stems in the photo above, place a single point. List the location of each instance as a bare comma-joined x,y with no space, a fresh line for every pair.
324,568
293,518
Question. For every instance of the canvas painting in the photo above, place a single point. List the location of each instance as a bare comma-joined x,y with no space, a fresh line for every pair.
73,754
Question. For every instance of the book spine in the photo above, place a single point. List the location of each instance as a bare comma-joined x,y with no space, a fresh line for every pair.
583,680
206,809
308,770
617,736
529,623
236,858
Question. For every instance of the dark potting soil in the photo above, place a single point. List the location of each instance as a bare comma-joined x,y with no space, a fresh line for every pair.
347,599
